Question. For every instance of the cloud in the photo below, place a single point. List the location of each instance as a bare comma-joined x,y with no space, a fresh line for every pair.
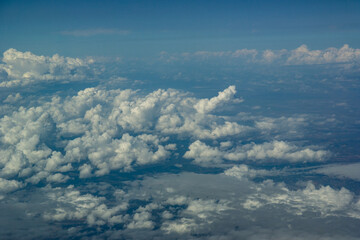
94,32
299,56
207,105
72,205
9,185
246,208
341,171
186,206
244,172
302,55
105,153
23,68
100,131
268,151
120,163
325,200
13,98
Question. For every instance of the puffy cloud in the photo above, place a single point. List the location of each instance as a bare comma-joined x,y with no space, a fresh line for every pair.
244,172
227,204
299,56
268,151
302,55
207,105
186,206
142,218
9,185
181,226
173,112
98,131
72,205
324,199
107,154
12,98
105,130
25,67
205,208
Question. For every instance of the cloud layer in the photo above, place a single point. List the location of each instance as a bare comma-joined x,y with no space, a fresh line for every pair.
299,56
113,163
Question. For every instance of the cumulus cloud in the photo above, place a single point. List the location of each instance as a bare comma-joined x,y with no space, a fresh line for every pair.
299,56
242,204
325,200
207,105
9,185
23,68
12,98
72,205
99,131
108,154
186,206
100,135
268,151
302,55
244,172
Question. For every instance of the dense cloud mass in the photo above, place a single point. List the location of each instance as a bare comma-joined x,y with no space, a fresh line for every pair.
118,129
110,163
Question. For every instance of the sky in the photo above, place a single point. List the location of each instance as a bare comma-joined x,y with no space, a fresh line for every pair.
143,28
180,120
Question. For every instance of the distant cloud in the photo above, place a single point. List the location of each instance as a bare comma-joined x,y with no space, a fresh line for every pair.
23,68
268,151
299,56
302,55
94,32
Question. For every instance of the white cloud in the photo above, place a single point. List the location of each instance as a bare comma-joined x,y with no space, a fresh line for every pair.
299,56
268,151
324,200
107,154
181,226
351,171
212,204
12,98
302,55
204,209
9,185
85,139
94,126
244,172
208,105
23,68
141,219
72,205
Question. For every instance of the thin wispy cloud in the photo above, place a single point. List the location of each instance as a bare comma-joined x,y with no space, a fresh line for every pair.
94,32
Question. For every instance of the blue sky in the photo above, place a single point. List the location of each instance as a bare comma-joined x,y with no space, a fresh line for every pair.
145,28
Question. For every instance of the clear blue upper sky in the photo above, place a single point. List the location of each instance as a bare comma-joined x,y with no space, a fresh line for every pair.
142,28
